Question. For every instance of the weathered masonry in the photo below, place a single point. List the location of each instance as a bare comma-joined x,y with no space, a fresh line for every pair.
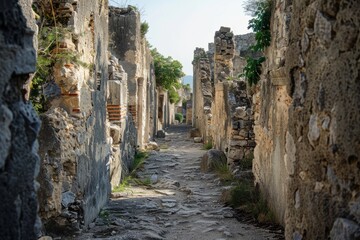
74,144
307,115
130,47
222,103
19,124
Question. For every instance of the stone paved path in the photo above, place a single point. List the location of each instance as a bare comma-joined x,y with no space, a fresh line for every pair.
183,204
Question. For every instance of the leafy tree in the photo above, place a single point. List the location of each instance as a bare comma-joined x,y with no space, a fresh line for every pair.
167,70
260,24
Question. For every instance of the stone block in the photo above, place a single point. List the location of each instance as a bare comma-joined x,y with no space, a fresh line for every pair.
195,133
115,133
152,146
345,229
160,134
236,154
241,143
224,29
198,139
211,159
240,112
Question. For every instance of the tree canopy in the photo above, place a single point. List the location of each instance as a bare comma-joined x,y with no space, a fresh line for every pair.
167,70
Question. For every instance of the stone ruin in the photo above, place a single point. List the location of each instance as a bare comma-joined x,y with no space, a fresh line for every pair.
19,123
222,104
307,158
100,109
74,145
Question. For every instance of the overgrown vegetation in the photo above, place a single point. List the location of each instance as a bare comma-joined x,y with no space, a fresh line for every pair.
223,171
260,24
144,28
168,72
179,117
132,178
51,34
243,195
208,145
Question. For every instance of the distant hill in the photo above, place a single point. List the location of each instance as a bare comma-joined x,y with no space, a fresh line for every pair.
188,80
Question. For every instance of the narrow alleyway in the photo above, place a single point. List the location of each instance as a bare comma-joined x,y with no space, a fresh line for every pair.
183,204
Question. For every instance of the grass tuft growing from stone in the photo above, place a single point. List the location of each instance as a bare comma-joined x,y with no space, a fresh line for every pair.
208,145
132,178
245,197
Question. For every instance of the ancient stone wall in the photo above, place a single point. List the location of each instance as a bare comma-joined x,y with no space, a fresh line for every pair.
122,129
203,94
306,159
271,103
130,47
19,124
322,142
222,104
74,145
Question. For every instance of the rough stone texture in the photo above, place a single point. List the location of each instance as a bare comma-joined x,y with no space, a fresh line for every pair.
323,65
134,55
242,50
122,128
19,124
74,145
222,107
202,94
211,159
273,155
307,114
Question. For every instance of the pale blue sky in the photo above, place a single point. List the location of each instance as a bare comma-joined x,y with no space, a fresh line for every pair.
177,27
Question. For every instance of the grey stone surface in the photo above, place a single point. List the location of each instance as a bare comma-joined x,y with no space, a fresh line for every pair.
345,229
19,124
161,134
211,159
74,146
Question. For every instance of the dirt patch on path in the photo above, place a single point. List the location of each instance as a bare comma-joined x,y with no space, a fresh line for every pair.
183,203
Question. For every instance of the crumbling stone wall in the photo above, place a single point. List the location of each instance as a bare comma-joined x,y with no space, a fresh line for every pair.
121,126
307,115
271,103
74,145
19,124
130,47
322,142
223,109
203,94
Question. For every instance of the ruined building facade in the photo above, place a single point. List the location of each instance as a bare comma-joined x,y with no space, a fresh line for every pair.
222,104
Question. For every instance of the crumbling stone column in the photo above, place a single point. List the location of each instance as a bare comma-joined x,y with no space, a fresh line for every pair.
224,53
203,94
19,124
122,130
130,47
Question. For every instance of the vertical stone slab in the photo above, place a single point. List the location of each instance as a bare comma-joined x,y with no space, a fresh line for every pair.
271,103
203,93
19,124
130,47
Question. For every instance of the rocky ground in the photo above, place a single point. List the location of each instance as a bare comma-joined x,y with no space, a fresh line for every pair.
182,204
